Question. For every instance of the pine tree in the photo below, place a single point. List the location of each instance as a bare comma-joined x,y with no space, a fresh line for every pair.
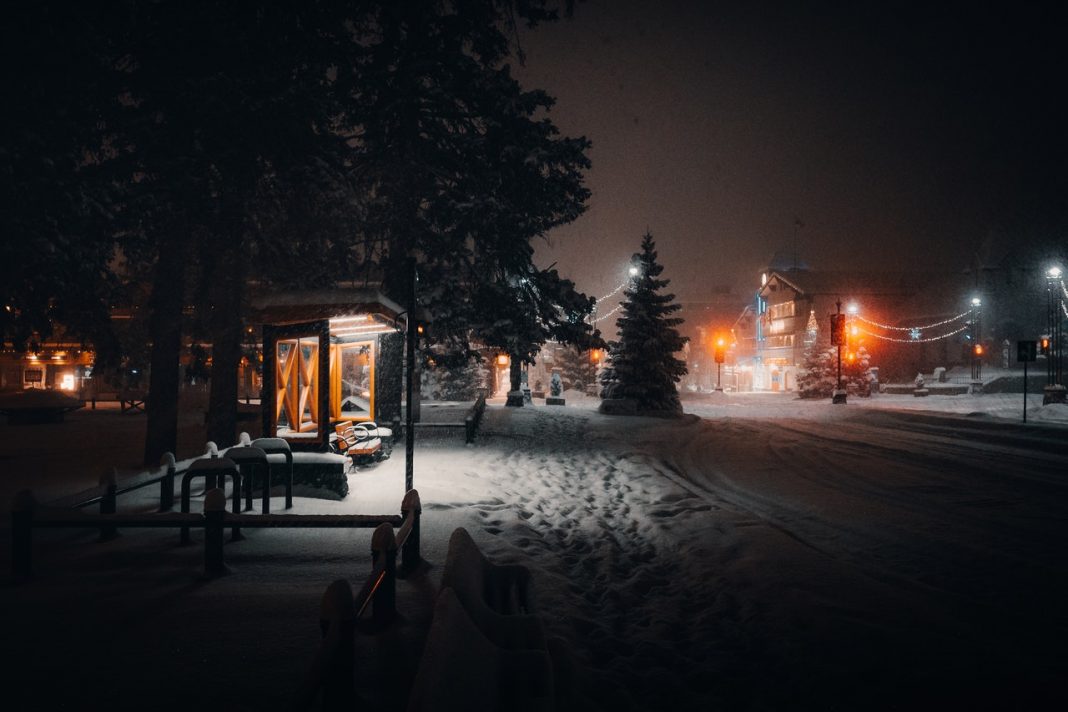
856,377
644,366
576,369
817,376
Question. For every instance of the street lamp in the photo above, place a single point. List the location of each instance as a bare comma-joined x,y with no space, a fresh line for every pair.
633,271
720,357
1055,390
977,347
838,337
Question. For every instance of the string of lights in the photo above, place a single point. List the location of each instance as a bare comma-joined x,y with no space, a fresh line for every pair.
914,328
608,313
913,340
614,292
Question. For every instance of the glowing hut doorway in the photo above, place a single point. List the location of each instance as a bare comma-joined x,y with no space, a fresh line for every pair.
323,370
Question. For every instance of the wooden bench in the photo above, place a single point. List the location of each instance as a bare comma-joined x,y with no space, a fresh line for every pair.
357,444
499,598
462,669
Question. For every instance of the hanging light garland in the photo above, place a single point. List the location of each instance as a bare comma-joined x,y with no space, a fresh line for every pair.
1064,307
613,292
914,336
916,328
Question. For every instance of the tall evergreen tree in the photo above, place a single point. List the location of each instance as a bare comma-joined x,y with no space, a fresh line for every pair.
644,365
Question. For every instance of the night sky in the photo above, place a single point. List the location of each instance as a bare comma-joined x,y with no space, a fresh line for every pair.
900,137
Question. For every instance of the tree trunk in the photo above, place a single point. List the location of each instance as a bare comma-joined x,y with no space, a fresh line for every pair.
165,329
227,289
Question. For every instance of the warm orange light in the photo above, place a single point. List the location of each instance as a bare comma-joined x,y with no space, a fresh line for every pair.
856,331
978,349
720,342
852,357
502,359
419,328
595,355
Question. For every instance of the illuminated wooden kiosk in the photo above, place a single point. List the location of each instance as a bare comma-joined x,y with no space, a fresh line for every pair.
329,357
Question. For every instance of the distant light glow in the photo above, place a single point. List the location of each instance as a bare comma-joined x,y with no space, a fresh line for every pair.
976,301
67,384
1053,272
852,309
633,271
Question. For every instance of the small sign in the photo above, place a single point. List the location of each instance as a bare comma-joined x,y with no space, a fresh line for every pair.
1026,351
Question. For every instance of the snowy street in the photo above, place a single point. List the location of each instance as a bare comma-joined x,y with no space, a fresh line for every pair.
839,558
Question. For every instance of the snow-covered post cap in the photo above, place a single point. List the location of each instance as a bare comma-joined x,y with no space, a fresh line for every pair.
167,460
211,449
244,440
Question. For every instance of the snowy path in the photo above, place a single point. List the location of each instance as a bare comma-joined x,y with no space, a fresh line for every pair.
809,563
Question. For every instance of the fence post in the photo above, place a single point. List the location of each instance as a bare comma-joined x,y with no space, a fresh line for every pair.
244,440
22,507
214,513
108,505
410,558
384,549
337,622
166,485
211,449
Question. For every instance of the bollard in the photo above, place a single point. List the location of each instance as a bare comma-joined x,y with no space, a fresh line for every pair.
410,558
384,549
166,485
337,623
243,440
214,514
22,507
108,505
211,449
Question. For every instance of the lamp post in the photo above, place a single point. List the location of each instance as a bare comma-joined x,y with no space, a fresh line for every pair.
1055,389
977,346
837,338
720,357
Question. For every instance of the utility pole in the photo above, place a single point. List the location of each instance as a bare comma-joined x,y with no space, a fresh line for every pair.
837,337
409,410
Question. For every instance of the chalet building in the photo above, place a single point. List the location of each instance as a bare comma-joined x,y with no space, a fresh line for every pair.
791,311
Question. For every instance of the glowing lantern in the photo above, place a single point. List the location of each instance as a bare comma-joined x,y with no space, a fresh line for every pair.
595,356
978,349
503,360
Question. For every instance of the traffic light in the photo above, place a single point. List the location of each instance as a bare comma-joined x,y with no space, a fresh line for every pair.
720,350
838,330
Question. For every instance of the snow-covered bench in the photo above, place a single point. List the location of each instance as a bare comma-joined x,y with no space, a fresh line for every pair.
486,648
462,669
498,598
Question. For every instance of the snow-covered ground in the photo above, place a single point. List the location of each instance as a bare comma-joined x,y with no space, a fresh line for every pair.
761,552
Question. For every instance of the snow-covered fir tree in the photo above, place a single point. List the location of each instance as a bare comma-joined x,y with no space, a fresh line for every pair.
856,372
455,381
644,366
818,373
576,369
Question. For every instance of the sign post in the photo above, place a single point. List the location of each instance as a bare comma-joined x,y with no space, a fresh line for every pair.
1026,351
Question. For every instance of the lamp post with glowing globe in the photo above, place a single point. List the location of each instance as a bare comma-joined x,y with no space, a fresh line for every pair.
977,345
1055,389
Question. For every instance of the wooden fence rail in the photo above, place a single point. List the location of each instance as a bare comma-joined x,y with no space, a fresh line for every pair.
474,418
